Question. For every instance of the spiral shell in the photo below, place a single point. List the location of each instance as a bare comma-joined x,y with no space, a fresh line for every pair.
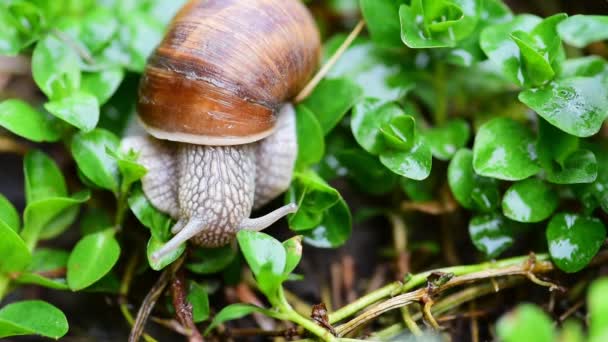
225,67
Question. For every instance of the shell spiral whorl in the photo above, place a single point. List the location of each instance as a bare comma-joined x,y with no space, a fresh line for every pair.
224,68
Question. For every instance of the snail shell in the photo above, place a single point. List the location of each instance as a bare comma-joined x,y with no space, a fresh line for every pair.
224,69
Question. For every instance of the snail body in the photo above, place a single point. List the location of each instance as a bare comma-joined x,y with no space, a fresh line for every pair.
214,101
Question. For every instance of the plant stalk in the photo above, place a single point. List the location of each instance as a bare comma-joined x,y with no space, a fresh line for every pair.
421,278
302,321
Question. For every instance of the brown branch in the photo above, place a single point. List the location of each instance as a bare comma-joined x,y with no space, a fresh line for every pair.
183,309
150,300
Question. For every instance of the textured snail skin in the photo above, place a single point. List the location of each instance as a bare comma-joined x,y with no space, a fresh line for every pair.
225,67
211,190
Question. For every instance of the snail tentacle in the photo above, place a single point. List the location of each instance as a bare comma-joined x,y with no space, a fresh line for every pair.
190,229
263,222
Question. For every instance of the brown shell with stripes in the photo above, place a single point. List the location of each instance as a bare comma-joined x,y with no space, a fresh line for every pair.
225,67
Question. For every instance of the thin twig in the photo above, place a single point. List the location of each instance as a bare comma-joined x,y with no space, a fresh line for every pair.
307,90
474,323
123,293
183,309
572,310
150,300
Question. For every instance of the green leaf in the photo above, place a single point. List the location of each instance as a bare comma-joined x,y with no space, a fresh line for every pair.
491,234
92,258
158,223
331,99
561,158
378,74
597,302
582,30
366,171
368,117
434,24
211,260
497,44
45,260
293,249
399,133
11,40
232,312
22,119
587,66
97,29
574,240
198,298
571,332
505,149
9,215
266,257
311,142
129,168
49,217
15,254
471,190
313,196
32,317
80,109
334,228
89,151
141,34
448,138
55,67
530,200
415,163
382,19
526,323
155,245
577,105
43,179
27,278
536,69
103,83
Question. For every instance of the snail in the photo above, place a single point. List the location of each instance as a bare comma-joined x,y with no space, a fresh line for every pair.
213,100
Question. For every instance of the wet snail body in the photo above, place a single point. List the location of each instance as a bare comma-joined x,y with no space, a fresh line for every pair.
214,100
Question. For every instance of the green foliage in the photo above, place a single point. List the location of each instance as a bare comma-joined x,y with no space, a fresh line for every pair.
492,233
530,200
504,149
92,258
574,240
527,322
505,111
32,317
530,323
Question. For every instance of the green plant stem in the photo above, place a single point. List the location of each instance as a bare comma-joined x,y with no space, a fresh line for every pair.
121,210
419,279
302,321
4,283
410,322
364,302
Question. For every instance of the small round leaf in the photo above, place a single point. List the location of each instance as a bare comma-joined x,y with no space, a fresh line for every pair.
505,149
574,240
530,200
